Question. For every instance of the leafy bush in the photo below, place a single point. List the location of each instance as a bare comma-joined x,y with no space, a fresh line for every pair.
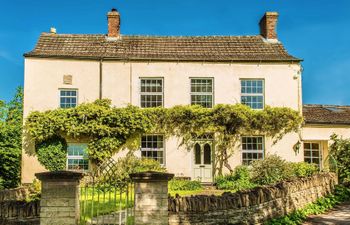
240,179
270,170
132,164
34,191
11,123
1,183
340,152
303,169
52,153
184,185
320,206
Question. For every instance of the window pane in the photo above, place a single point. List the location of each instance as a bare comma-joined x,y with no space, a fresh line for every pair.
252,149
68,98
202,92
197,154
312,153
77,157
151,93
207,154
152,147
252,93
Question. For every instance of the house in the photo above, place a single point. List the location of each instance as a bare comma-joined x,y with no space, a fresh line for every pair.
64,70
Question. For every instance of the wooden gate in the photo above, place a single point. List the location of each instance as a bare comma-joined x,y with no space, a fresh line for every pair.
104,199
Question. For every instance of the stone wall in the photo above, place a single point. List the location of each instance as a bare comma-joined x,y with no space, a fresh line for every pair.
15,194
19,213
251,206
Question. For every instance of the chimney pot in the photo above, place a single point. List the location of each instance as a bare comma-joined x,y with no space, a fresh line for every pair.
53,30
268,25
113,19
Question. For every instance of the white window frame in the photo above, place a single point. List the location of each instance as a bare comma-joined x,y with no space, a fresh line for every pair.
254,94
77,157
68,89
145,149
202,93
152,93
311,150
257,151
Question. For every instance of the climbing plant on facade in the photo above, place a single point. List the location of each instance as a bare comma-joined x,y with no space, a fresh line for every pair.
110,129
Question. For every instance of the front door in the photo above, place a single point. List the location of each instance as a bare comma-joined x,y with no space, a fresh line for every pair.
203,162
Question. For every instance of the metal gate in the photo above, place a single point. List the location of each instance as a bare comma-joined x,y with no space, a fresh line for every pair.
104,199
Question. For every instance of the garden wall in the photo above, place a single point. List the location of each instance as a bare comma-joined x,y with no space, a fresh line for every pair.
15,210
251,206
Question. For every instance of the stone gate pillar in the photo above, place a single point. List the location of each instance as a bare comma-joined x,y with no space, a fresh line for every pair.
151,197
59,197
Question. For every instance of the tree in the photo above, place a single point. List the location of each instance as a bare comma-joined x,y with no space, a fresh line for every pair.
11,123
340,157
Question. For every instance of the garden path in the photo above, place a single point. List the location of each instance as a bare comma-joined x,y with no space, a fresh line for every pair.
339,215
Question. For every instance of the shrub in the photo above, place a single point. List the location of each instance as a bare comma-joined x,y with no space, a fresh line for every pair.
303,169
240,179
340,154
132,164
184,185
34,191
270,170
52,153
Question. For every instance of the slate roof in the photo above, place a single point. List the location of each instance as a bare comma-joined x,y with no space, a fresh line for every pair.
164,48
326,114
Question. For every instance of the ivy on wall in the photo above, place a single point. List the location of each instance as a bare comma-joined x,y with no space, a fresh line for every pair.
110,129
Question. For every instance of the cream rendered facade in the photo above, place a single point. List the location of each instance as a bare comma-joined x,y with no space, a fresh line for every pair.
121,84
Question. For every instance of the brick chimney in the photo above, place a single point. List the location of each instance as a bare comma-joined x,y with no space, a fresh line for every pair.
113,18
268,24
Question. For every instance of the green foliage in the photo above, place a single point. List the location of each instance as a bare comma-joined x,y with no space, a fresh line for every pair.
53,153
111,129
303,169
132,164
11,114
238,180
270,170
34,191
178,184
340,152
320,206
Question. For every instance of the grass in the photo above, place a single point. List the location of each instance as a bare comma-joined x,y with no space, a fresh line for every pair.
95,202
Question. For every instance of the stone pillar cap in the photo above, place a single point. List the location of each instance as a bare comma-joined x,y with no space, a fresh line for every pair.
60,175
151,176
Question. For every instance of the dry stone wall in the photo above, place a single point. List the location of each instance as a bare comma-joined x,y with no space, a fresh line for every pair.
252,206
19,213
15,194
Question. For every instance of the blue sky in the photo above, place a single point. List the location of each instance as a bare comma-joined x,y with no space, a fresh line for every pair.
315,30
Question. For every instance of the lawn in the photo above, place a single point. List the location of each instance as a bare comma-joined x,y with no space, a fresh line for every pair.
97,202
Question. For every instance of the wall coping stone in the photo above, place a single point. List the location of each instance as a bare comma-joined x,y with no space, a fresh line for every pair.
151,176
59,175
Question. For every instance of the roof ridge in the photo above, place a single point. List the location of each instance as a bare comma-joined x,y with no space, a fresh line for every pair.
155,36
